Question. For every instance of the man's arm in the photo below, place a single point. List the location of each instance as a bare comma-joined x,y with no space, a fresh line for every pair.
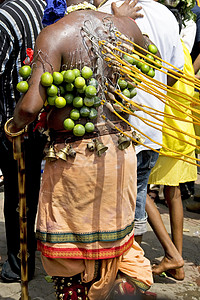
196,64
170,80
47,58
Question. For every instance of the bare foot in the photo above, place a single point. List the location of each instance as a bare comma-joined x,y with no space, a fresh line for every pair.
177,274
168,263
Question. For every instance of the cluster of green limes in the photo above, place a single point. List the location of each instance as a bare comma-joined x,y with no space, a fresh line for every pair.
24,72
127,88
78,90
146,69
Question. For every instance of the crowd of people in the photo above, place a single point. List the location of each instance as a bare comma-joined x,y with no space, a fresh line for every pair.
92,204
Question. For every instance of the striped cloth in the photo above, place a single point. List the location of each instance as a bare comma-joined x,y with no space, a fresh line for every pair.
20,23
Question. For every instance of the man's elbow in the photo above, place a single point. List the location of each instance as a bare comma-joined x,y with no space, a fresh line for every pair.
24,116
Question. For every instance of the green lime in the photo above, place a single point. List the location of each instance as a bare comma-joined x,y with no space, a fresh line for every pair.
145,68
130,85
97,101
122,83
51,100
89,127
86,72
69,76
76,72
61,90
60,102
135,59
46,79
84,111
74,114
79,82
79,130
25,71
69,87
93,82
63,72
90,91
22,86
88,101
52,90
57,78
151,73
78,102
126,93
82,90
157,61
152,48
129,59
133,92
127,70
93,113
140,63
68,124
148,57
69,98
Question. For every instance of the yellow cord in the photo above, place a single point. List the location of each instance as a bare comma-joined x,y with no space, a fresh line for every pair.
155,150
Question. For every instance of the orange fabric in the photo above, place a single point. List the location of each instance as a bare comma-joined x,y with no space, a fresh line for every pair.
86,216
87,207
87,204
132,263
63,251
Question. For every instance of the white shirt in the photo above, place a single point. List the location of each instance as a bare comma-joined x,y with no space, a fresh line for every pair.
162,28
188,33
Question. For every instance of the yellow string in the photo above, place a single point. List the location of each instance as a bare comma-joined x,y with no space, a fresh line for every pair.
165,87
159,84
167,97
192,78
154,87
155,150
166,126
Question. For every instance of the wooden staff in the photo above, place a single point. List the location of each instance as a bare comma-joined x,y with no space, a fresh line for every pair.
18,154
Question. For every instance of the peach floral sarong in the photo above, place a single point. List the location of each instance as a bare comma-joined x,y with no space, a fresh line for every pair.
87,204
86,212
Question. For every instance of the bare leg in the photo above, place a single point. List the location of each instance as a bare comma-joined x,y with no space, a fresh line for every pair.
172,258
174,201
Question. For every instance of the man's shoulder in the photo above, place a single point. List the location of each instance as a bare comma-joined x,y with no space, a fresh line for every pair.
47,35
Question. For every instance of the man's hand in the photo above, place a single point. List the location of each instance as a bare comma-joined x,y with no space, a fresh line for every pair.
127,9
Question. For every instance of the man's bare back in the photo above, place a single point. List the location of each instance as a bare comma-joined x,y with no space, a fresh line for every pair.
62,44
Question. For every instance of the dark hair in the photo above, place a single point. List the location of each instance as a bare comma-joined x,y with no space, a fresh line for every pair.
178,17
184,8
